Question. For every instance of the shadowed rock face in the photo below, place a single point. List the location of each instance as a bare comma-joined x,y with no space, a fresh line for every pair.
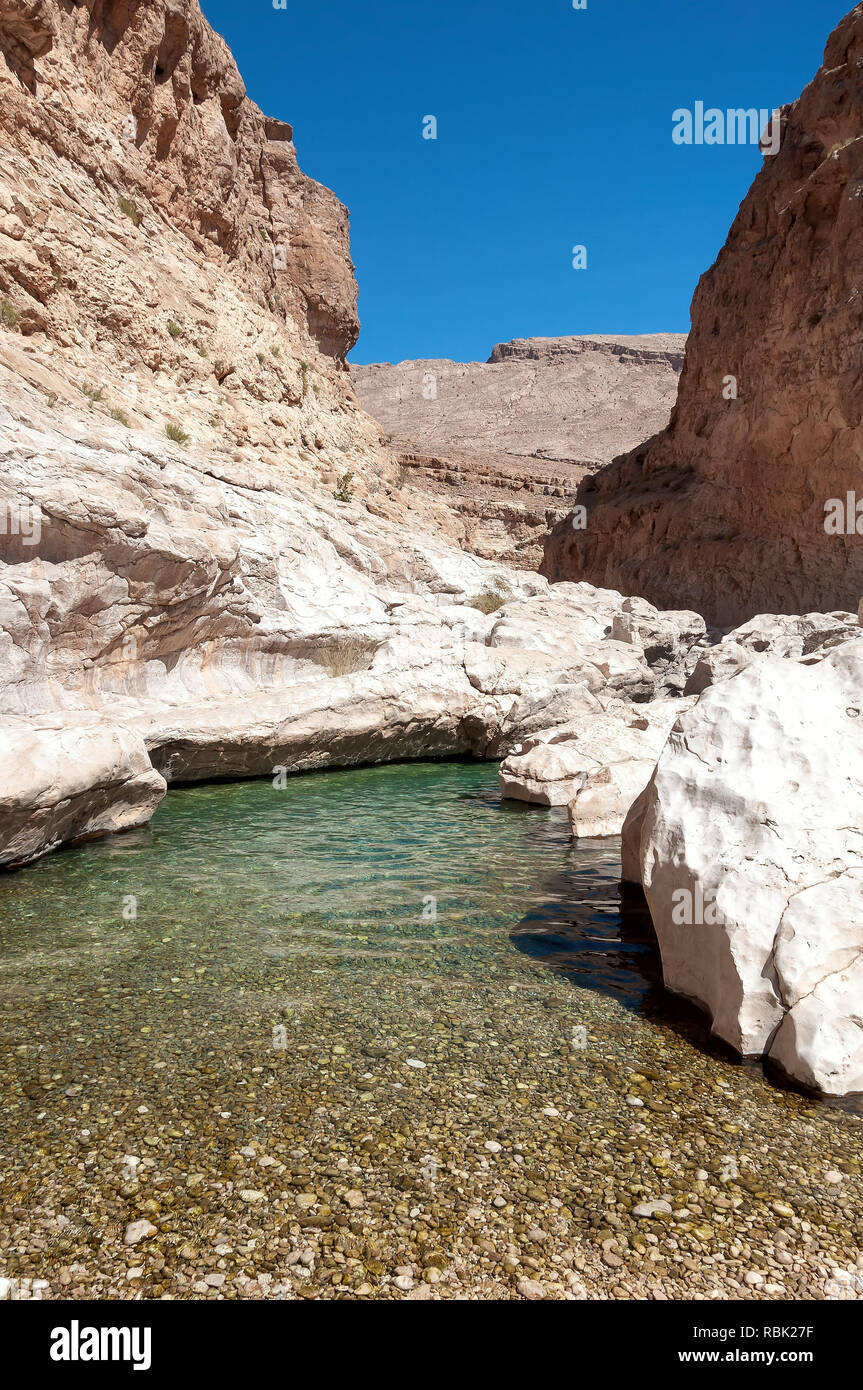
506,442
724,511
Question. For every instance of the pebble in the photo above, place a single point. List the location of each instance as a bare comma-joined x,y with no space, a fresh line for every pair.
139,1230
530,1288
647,1209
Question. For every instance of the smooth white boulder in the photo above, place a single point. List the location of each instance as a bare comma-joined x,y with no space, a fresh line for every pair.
601,804
562,765
60,783
748,841
790,635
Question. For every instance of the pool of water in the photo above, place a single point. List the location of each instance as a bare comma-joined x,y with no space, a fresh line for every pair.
381,1020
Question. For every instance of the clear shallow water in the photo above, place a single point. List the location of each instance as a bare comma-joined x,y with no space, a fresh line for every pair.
259,973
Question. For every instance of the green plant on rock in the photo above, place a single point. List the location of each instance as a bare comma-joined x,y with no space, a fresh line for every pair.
9,316
177,433
344,487
93,393
174,329
128,207
492,597
121,417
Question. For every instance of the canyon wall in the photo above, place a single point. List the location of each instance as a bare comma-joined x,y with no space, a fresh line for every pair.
724,511
208,564
505,442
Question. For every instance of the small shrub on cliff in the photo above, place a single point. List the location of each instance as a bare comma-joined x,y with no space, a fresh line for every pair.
121,417
93,393
174,329
177,433
490,599
9,316
128,207
345,655
344,487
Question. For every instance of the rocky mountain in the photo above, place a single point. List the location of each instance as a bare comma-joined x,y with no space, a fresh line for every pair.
505,442
725,510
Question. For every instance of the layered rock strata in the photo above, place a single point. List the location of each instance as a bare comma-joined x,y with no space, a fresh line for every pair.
503,444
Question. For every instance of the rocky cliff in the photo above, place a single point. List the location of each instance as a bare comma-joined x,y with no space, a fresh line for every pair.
206,566
725,510
505,443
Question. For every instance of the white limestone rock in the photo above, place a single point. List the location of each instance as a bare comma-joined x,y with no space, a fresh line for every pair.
60,783
555,767
749,843
789,635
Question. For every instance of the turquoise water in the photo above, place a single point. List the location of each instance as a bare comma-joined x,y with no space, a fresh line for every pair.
418,864
339,978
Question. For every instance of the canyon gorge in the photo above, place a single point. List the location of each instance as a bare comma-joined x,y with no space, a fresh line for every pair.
228,554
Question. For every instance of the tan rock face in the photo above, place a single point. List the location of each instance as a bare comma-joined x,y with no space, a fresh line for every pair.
505,443
162,257
147,101
725,510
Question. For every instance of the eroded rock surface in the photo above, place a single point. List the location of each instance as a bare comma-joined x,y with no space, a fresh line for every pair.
61,784
504,443
724,511
748,841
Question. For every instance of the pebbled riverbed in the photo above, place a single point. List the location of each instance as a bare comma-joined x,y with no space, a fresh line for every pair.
379,1034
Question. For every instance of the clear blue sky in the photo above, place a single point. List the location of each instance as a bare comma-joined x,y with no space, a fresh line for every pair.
554,129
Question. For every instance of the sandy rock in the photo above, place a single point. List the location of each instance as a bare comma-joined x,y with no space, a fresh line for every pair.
770,635
605,757
718,663
602,802
502,444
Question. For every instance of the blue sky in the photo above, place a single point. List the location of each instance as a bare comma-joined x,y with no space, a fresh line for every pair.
554,130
